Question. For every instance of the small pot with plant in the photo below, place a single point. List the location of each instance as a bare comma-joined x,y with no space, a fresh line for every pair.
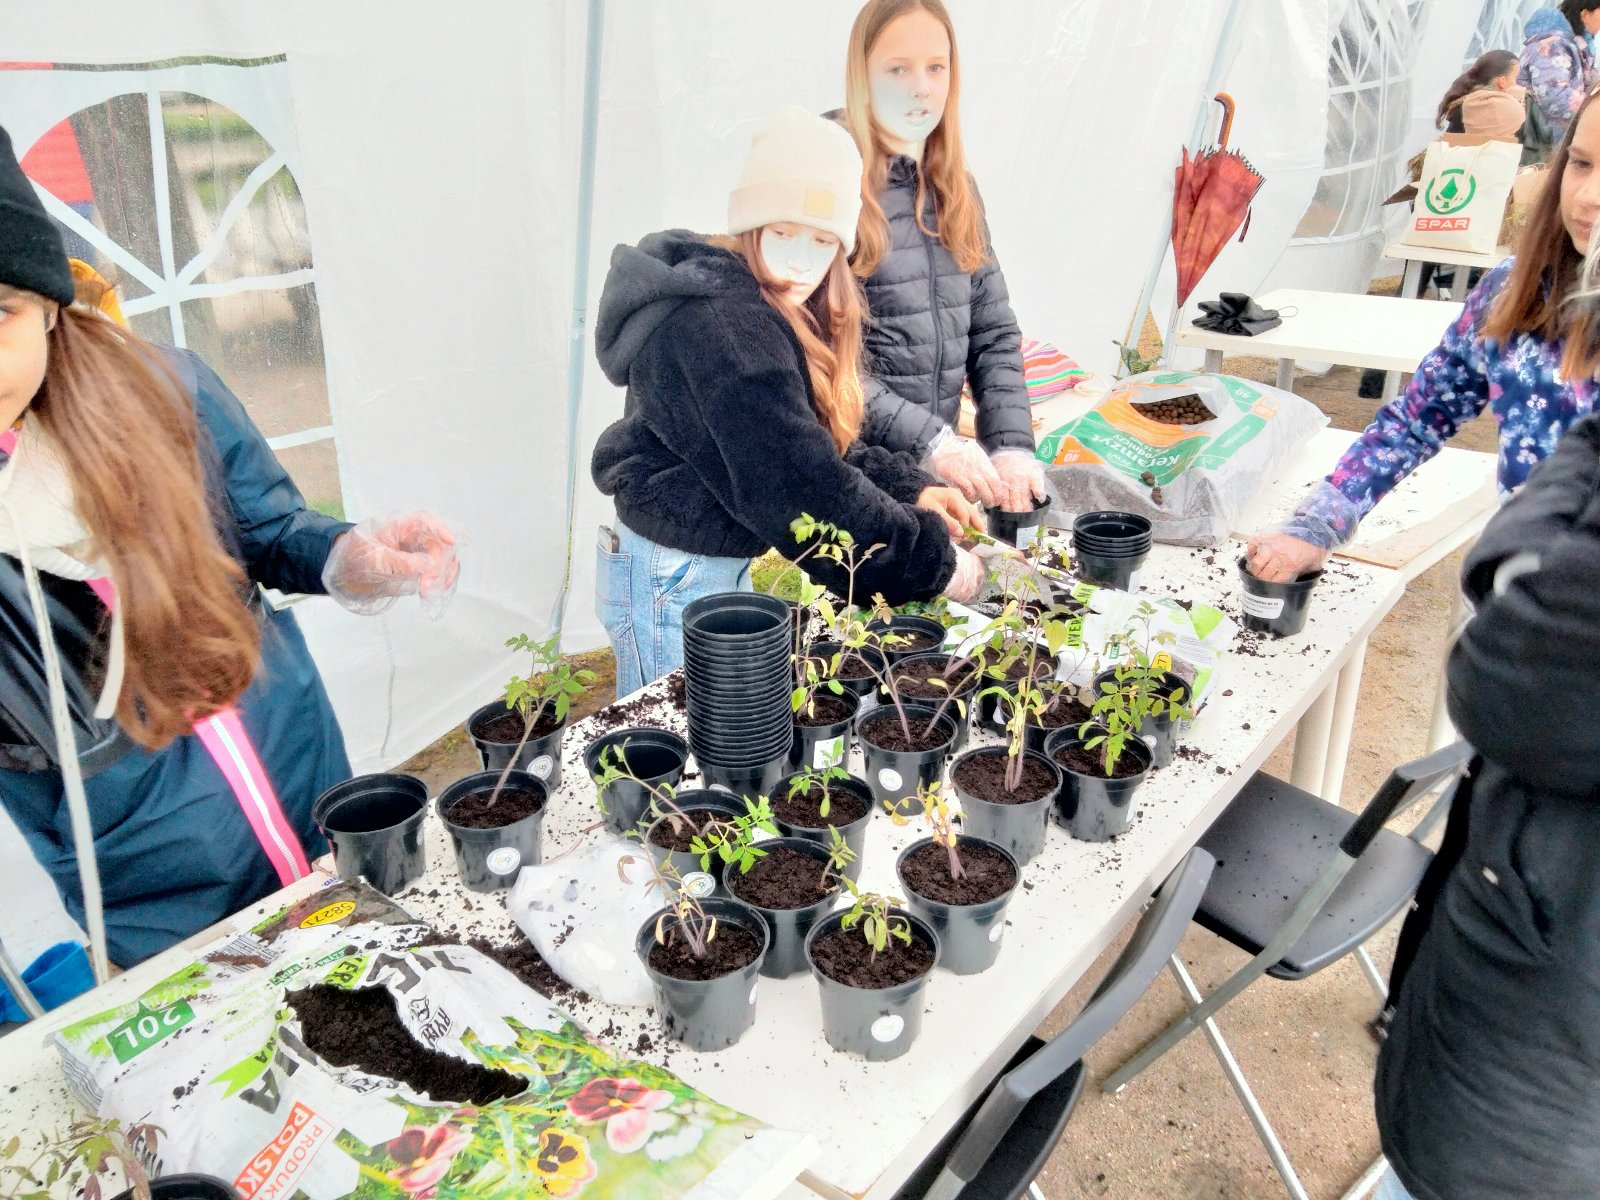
494,819
812,804
872,964
792,884
940,682
707,831
824,709
524,730
628,766
1143,676
904,635
702,955
959,884
91,1153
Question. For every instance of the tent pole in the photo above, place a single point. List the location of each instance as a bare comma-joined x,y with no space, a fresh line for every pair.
579,326
19,990
1226,50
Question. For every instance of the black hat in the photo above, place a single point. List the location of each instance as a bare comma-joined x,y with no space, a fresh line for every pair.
31,254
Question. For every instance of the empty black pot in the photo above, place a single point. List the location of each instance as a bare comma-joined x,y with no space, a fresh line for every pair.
374,823
655,756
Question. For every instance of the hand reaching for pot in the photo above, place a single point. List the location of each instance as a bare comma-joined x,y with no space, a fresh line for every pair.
963,464
1021,479
959,513
378,561
1282,557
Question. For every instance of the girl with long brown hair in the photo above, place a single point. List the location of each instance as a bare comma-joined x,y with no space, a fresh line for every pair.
744,404
941,315
163,733
1522,349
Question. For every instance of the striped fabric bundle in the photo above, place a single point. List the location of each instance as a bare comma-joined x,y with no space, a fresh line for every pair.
1046,372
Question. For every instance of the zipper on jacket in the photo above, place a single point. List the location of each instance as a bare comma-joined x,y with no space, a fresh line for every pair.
933,302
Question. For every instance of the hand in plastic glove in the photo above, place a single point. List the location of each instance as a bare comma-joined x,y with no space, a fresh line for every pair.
378,561
1281,557
963,463
1006,570
968,579
1021,479
959,513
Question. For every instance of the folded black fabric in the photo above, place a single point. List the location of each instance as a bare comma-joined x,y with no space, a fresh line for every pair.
1236,313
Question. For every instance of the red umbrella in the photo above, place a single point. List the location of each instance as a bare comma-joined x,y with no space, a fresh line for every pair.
1211,199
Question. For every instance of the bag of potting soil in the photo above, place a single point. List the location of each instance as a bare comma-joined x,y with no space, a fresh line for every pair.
1188,451
456,1079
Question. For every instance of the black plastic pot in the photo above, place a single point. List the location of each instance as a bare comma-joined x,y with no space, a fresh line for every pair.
969,934
489,859
909,625
654,755
1159,733
1018,528
745,780
896,775
1018,829
734,618
819,746
880,1023
1107,571
1109,547
854,834
186,1187
374,823
1276,608
692,801
861,686
964,694
787,927
1095,807
709,1014
539,756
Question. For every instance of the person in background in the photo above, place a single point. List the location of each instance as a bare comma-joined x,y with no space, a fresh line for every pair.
1486,98
940,312
1557,66
147,693
744,405
1514,351
1488,1083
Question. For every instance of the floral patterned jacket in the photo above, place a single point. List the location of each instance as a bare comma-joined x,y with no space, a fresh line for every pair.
1557,69
1518,380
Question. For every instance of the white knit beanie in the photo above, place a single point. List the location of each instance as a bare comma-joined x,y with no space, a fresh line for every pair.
801,168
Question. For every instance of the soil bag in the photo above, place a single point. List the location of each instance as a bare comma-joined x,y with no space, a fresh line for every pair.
461,1081
1188,451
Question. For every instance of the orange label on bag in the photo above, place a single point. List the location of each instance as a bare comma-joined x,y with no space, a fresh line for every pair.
273,1172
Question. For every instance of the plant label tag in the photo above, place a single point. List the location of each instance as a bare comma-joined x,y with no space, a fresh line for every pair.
827,754
699,884
542,766
1265,607
998,932
887,1028
890,778
1027,534
504,860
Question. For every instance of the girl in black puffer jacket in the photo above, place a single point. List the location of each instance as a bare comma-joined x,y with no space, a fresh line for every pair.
940,312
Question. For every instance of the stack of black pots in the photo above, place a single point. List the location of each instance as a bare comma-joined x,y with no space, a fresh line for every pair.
737,679
1109,547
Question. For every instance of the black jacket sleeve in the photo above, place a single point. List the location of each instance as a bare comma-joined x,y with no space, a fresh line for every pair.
994,362
772,460
892,471
895,423
1522,672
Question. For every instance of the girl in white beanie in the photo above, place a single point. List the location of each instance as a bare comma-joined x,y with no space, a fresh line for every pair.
740,358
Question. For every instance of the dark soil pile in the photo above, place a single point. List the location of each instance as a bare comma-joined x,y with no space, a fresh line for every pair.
985,874
677,835
824,710
984,776
885,733
802,809
506,728
1179,410
925,679
844,955
1066,711
474,810
1089,762
784,879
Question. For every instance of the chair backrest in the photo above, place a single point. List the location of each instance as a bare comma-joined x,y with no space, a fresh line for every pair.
1160,929
1404,786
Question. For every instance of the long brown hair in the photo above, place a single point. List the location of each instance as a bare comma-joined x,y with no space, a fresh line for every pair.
828,326
1490,66
1545,272
944,163
126,432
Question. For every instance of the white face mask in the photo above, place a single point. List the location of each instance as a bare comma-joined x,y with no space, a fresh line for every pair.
799,254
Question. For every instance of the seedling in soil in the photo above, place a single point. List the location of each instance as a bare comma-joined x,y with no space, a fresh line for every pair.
78,1160
839,857
936,813
807,779
846,624
1030,698
684,912
870,913
551,686
732,839
1136,692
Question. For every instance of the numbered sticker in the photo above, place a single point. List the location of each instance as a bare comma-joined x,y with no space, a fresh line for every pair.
1162,661
886,1029
337,911
890,778
827,754
504,861
699,884
542,766
998,932
1265,607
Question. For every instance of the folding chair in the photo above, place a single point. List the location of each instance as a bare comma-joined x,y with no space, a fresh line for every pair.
1001,1144
1300,883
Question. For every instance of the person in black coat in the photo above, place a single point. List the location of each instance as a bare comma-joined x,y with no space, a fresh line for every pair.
940,312
1488,1084
743,401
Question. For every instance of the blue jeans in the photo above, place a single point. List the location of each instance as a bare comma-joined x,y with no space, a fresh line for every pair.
1390,1188
641,590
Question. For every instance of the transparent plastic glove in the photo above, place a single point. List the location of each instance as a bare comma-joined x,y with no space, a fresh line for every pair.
963,464
1279,557
967,580
378,561
1021,479
1007,571
959,513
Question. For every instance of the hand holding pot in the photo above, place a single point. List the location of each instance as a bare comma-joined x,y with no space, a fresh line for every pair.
378,561
1021,479
963,463
959,513
1282,557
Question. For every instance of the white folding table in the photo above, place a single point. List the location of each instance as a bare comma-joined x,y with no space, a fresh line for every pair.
1415,256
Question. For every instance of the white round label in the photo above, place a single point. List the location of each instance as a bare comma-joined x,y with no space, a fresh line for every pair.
890,778
699,884
543,765
1265,607
504,861
998,932
886,1029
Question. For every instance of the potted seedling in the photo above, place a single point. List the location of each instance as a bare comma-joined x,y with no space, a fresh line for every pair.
630,767
707,831
823,707
702,955
872,964
792,884
523,731
848,656
958,884
811,804
1148,684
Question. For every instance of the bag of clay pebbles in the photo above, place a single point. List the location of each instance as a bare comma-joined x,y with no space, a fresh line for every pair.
1189,451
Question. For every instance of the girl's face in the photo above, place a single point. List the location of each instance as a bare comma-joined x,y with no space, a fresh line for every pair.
799,254
1591,20
1580,181
25,322
908,69
1509,80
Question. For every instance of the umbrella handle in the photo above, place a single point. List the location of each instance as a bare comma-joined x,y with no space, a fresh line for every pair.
1228,107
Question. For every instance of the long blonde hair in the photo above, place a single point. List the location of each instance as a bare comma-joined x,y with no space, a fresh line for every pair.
944,163
828,326
128,435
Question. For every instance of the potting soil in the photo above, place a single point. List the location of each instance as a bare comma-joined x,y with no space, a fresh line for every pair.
1090,762
884,732
245,1082
823,710
476,811
730,949
506,729
925,680
985,874
984,775
783,879
680,834
843,954
802,808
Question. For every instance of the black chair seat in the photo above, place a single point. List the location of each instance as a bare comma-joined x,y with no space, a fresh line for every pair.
1270,845
1021,1152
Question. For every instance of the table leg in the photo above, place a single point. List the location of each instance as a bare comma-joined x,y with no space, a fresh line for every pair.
1285,379
1391,386
1344,718
1440,731
1213,362
1311,742
1411,280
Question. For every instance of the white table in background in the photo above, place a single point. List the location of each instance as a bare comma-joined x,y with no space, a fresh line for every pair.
1415,256
1381,332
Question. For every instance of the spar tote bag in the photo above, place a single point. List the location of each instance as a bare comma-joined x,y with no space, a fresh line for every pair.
1462,194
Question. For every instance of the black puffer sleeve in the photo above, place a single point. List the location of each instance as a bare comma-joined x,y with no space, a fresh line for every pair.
994,362
896,423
